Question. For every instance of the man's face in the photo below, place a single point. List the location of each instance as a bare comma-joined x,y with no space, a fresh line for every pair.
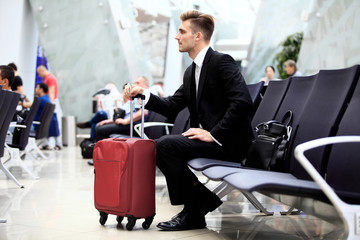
37,91
140,82
2,81
185,37
41,73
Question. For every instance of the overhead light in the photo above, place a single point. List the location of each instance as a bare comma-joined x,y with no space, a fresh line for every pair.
305,15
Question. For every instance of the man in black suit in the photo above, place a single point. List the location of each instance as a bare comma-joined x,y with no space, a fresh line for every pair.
219,103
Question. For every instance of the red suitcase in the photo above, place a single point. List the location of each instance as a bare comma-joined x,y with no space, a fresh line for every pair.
125,179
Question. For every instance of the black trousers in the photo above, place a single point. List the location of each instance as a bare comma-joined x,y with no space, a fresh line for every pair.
173,152
105,131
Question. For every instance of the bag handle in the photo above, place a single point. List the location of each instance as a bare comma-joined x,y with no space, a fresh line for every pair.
142,97
265,124
288,115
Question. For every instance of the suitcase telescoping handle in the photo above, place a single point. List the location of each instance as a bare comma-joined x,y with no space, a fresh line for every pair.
132,112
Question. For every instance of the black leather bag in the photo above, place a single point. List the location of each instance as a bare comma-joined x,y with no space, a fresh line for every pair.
87,148
268,149
17,130
118,113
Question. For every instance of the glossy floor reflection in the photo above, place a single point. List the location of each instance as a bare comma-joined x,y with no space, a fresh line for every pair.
60,206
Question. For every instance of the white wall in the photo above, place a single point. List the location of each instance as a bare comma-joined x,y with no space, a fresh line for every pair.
276,19
331,37
18,42
331,34
88,44
173,68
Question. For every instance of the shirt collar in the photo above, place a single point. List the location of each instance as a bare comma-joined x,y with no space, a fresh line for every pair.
201,56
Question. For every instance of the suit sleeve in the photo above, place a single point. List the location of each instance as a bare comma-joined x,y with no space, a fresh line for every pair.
169,106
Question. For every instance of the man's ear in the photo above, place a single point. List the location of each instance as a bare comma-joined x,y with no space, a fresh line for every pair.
199,36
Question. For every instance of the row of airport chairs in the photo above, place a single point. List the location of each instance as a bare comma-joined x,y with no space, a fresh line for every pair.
25,143
326,107
8,102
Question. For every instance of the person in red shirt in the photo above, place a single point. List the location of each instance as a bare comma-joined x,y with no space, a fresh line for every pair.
51,81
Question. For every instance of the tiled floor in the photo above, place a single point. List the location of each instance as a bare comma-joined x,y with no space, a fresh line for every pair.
60,206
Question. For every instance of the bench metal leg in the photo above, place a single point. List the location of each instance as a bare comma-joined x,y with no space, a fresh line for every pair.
8,173
224,189
256,203
290,211
31,146
219,187
16,160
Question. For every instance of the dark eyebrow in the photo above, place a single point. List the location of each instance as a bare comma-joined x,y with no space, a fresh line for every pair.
181,29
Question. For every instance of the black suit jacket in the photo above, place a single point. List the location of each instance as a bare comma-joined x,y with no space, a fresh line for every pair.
223,103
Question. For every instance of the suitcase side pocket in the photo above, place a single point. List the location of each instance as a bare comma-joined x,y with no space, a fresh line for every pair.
110,162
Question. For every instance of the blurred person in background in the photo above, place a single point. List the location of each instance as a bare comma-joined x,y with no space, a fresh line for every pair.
291,68
6,77
270,75
51,81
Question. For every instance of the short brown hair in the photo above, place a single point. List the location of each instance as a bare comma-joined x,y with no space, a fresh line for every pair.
200,22
291,63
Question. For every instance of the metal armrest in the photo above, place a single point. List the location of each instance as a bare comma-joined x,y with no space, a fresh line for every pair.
17,125
36,122
152,124
350,213
13,124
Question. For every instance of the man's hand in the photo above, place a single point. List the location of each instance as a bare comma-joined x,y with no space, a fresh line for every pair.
104,122
135,90
198,133
121,121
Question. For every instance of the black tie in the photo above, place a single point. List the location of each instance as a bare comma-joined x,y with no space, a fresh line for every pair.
193,85
194,120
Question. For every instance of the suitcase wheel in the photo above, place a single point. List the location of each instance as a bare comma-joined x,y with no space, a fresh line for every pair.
119,219
146,224
103,218
131,222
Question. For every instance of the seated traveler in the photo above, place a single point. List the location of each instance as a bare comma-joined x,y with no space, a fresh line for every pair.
219,102
102,127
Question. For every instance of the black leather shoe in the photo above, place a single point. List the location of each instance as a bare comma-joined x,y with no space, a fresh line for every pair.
83,125
184,221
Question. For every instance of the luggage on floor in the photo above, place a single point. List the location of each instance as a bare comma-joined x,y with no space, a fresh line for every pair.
125,179
87,147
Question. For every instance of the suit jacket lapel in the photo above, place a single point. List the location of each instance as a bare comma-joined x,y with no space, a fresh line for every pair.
203,75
